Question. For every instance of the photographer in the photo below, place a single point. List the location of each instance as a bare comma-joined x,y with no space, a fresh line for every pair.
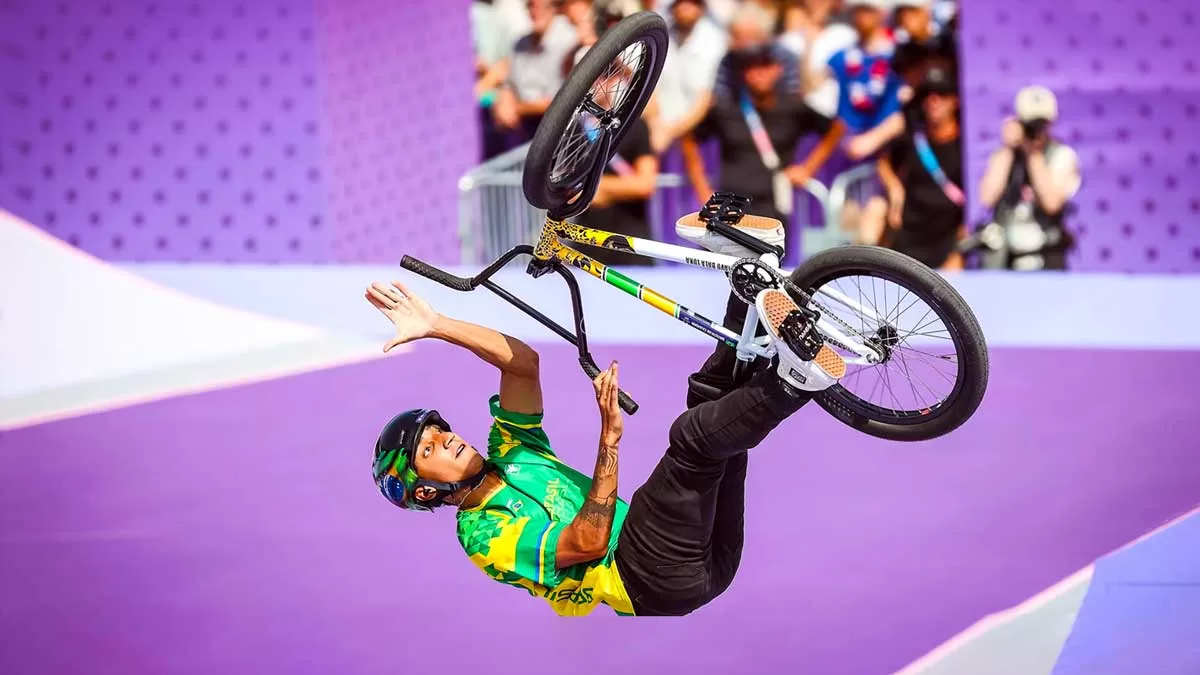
1029,183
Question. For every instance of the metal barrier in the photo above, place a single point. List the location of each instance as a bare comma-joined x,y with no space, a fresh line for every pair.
493,215
848,197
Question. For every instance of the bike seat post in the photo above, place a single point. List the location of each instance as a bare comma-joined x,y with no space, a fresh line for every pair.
749,329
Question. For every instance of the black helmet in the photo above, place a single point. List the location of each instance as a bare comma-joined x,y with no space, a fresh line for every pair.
393,468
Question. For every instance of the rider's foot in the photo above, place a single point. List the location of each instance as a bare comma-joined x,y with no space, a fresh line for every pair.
691,228
805,361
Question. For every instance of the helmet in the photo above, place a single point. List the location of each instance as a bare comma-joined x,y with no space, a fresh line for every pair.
394,469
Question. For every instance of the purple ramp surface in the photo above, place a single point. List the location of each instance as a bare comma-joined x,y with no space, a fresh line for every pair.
1142,611
239,532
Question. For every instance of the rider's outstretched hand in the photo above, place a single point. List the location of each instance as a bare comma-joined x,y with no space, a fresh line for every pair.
413,317
612,425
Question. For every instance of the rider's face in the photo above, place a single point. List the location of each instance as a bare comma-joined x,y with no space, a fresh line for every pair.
444,456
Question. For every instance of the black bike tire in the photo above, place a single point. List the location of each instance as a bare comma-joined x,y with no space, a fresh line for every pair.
969,341
539,161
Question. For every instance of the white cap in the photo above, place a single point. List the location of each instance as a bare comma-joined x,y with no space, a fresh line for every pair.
882,5
912,3
1036,103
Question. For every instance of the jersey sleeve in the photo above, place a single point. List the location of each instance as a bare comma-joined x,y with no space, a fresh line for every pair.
514,550
511,430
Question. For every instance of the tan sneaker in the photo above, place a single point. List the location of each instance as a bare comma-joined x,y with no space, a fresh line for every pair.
805,361
769,230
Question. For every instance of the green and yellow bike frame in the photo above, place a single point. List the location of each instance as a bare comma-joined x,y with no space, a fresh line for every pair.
553,254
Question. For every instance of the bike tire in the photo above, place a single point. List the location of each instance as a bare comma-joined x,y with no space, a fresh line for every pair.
967,335
646,27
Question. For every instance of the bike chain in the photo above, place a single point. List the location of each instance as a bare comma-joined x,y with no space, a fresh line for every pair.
782,281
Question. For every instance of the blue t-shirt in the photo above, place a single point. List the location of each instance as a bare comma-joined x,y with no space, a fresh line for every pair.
868,88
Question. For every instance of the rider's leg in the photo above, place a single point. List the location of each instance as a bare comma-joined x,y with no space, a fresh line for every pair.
666,544
729,524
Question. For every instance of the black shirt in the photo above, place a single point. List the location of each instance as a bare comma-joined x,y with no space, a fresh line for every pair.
624,217
929,216
742,168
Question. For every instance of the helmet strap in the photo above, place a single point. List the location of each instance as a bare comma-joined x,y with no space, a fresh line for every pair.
444,490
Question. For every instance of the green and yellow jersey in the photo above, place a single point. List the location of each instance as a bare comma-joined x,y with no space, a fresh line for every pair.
513,535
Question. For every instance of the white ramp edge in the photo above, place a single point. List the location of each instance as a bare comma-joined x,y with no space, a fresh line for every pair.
78,335
1025,639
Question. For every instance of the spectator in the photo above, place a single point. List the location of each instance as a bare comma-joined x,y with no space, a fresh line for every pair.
581,14
925,219
868,88
750,28
533,73
685,87
1029,182
493,45
826,30
922,42
758,125
622,201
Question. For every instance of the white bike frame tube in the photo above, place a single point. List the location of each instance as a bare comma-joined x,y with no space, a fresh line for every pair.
849,303
682,254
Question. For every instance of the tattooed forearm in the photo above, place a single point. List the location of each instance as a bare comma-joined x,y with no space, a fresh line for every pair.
600,506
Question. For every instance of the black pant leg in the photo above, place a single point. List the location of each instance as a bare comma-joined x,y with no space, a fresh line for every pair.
664,549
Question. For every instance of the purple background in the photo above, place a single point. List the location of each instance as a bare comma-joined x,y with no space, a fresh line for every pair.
237,130
1127,76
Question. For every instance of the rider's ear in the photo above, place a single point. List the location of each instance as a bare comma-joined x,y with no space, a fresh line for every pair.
425,493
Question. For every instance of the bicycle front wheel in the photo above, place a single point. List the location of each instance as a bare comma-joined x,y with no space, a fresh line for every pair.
603,95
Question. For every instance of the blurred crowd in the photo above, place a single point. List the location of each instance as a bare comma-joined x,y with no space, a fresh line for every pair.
758,96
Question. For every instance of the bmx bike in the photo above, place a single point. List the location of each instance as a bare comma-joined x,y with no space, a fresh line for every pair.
846,290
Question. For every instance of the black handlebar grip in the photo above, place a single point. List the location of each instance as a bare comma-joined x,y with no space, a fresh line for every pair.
429,271
627,404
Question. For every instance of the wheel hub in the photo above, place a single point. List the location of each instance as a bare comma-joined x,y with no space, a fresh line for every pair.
884,341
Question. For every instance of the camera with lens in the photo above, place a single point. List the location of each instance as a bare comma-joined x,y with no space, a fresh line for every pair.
1035,129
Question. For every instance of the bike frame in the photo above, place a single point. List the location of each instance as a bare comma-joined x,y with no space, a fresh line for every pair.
551,246
551,254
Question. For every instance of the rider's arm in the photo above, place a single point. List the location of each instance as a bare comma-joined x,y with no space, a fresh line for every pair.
520,386
586,537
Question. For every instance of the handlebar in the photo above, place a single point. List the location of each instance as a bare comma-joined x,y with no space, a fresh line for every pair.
464,284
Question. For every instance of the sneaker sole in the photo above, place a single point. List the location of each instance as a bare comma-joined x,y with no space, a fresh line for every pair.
759,227
776,306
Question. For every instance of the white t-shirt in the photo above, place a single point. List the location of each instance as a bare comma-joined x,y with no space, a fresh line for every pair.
833,39
537,71
691,68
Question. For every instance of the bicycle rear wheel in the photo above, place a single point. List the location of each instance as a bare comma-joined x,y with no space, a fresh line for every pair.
934,372
604,94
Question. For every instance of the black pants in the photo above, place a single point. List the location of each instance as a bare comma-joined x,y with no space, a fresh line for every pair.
681,542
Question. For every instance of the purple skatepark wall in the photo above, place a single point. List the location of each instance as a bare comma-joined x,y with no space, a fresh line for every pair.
1128,84
401,124
237,131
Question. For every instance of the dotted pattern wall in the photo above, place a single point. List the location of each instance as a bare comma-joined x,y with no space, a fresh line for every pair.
238,130
401,125
165,130
1127,76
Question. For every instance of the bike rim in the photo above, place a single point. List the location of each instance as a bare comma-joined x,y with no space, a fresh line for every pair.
611,97
923,373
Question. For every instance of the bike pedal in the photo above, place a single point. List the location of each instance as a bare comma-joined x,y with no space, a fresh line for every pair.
799,332
726,207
